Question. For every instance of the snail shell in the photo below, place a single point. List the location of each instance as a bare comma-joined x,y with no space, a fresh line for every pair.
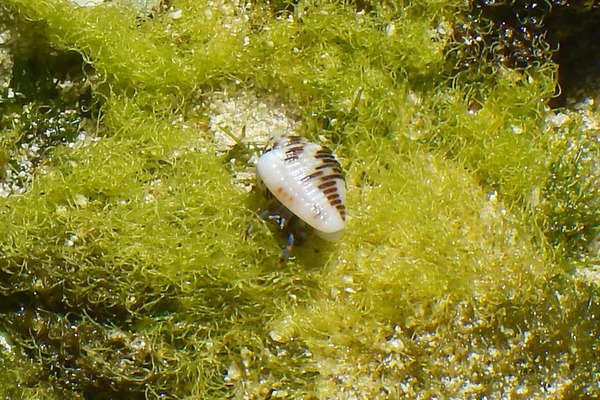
305,178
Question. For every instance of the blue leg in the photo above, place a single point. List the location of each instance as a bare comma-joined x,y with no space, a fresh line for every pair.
289,243
264,215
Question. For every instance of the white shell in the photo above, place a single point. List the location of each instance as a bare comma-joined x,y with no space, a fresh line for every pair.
307,179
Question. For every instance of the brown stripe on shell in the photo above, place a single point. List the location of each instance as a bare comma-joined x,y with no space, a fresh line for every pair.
293,153
342,210
332,163
283,142
331,177
295,139
311,176
326,185
324,153
290,141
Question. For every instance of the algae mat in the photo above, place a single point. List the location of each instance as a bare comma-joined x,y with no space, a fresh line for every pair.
129,132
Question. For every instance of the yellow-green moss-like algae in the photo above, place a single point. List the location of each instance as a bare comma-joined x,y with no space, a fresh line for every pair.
125,271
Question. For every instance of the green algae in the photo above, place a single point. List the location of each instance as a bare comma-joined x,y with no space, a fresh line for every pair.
125,268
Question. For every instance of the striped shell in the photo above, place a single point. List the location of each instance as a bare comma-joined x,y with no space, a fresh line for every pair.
307,180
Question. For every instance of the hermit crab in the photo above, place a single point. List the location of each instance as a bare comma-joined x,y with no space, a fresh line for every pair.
304,185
